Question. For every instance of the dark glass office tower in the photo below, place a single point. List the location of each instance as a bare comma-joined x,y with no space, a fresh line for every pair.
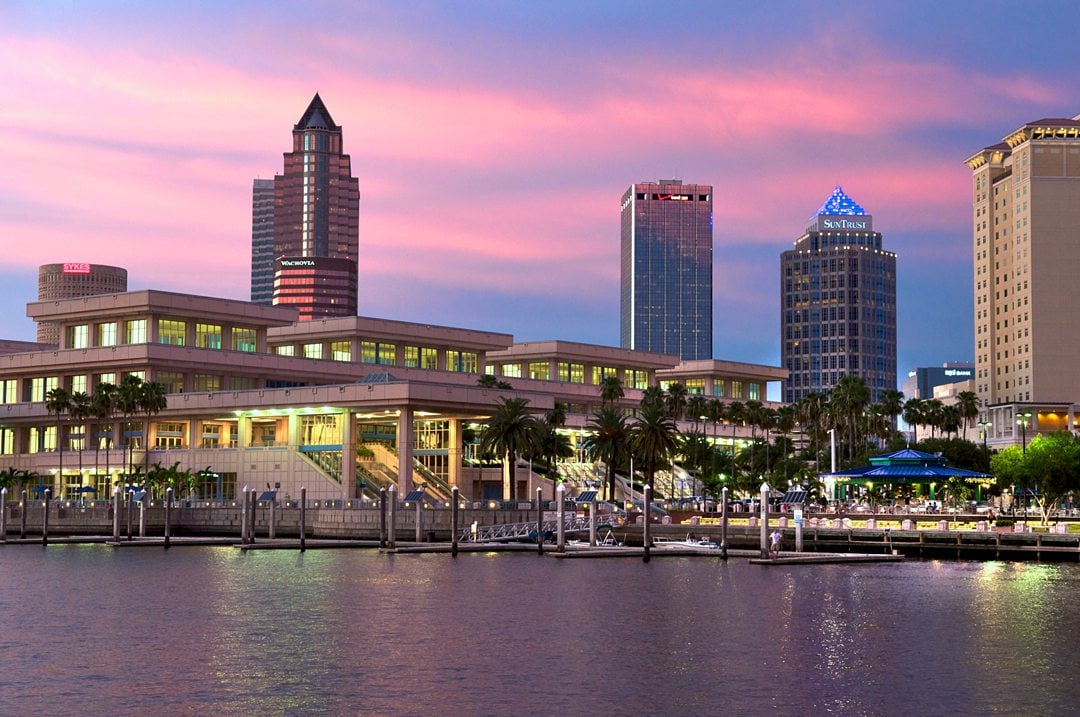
262,241
666,291
838,303
316,216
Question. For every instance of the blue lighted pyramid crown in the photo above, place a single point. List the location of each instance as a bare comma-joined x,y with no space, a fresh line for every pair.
840,204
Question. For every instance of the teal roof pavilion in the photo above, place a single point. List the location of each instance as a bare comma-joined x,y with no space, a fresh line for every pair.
840,204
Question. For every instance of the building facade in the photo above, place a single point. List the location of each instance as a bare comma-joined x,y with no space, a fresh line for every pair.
838,303
1026,247
263,398
666,269
262,241
921,382
316,216
70,280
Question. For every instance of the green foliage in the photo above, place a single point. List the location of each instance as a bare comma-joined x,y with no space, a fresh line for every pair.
1050,467
958,452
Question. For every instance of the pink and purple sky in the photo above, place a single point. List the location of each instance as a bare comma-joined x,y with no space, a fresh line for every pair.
493,141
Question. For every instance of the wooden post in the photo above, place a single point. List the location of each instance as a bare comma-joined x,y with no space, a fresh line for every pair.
3,514
646,510
244,517
723,524
382,517
116,514
45,520
764,520
254,498
560,511
168,513
303,519
419,518
392,540
539,521
454,520
22,517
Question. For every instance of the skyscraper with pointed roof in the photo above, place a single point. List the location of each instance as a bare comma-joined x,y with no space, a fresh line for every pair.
838,303
316,221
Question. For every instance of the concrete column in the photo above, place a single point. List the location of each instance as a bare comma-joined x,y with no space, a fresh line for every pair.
405,450
455,505
456,450
560,493
243,433
723,523
764,520
348,456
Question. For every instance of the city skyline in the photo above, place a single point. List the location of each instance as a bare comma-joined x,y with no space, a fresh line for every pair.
489,145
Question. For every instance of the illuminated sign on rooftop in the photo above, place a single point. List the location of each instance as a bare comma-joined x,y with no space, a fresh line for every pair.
76,268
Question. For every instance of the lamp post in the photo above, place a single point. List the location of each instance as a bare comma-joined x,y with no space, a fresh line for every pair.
985,428
1023,420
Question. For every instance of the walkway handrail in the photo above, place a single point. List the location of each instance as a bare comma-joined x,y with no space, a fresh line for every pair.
516,531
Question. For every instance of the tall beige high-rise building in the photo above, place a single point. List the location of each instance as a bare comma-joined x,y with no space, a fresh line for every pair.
1026,202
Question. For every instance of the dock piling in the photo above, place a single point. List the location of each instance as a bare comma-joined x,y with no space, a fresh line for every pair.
539,521
3,515
454,505
303,518
646,510
560,508
168,514
45,519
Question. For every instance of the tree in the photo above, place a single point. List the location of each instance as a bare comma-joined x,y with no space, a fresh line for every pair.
508,433
102,405
891,405
490,381
611,391
79,412
607,441
934,414
653,439
1049,468
969,404
58,402
152,401
652,394
810,410
128,395
847,401
915,415
676,400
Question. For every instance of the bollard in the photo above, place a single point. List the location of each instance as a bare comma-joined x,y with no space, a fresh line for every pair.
764,520
273,517
168,514
392,541
116,515
243,517
303,519
723,525
560,493
646,540
45,520
539,521
3,514
22,517
382,517
454,502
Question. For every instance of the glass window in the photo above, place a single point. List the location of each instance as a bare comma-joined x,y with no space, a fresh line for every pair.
375,352
313,351
755,391
461,361
207,382
41,386
172,380
341,350
171,332
106,378
412,357
736,389
106,334
170,435
7,441
695,386
136,374
429,358
540,370
244,339
638,379
287,350
244,383
718,387
571,372
599,373
511,370
78,336
78,384
208,336
8,389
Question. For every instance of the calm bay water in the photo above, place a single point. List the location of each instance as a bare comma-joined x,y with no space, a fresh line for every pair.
192,631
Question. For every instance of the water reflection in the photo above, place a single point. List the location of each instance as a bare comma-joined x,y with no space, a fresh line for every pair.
217,631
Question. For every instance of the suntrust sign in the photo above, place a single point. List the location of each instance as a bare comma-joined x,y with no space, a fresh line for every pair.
844,224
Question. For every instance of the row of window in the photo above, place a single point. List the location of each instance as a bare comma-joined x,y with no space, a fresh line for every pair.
169,331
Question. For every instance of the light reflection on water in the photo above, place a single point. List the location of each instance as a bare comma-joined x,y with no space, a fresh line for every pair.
193,631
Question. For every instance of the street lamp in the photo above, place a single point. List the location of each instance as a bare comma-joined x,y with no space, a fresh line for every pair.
985,426
1023,420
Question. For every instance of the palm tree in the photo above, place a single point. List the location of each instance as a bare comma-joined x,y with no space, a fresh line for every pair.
676,400
80,411
652,394
915,414
892,404
847,401
785,424
152,401
102,404
934,414
508,433
653,439
58,402
127,401
734,414
810,412
969,404
611,391
608,442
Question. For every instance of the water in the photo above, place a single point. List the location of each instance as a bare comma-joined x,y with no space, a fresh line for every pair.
91,630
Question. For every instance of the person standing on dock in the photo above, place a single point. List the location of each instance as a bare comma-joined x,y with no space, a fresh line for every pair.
774,544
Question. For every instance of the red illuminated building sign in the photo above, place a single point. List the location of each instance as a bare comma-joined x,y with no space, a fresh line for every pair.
76,268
